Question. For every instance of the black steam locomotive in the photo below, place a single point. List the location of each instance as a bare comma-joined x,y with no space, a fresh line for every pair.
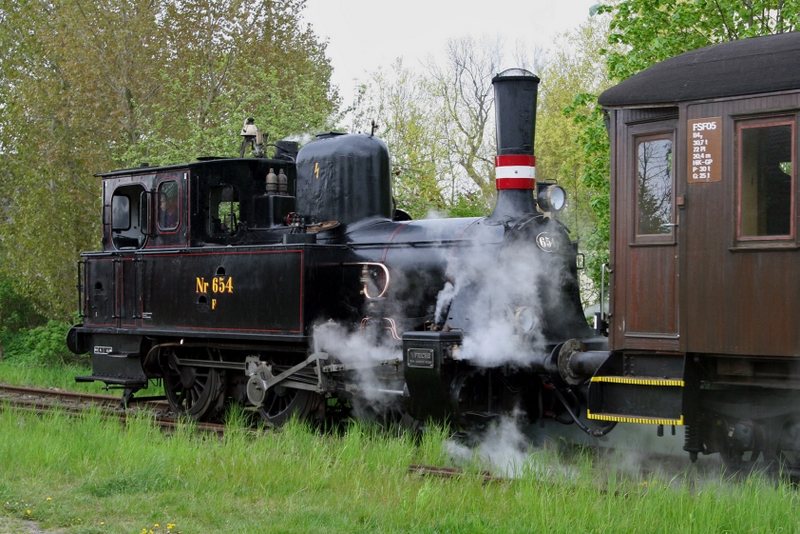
291,283
283,282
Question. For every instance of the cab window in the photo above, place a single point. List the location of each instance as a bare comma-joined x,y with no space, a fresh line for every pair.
766,176
127,214
168,212
223,213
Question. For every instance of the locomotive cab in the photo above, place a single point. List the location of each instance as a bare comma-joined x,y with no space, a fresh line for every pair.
210,202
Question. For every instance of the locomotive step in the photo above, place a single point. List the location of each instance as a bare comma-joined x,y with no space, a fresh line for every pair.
112,380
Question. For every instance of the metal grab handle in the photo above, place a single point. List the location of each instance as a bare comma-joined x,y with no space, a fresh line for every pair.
605,268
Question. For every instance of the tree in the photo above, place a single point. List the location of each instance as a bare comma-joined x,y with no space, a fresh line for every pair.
463,88
653,30
439,125
90,86
399,103
230,60
575,68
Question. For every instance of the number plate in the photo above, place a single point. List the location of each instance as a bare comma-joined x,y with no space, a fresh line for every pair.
420,358
546,242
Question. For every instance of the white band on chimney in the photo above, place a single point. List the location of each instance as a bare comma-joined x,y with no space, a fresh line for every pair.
515,171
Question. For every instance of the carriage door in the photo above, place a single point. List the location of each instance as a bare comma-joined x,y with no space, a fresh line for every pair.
649,314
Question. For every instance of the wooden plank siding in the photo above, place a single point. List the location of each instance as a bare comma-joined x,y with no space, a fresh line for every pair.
732,298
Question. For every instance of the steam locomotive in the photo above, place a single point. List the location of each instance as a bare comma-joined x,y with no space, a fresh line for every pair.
292,285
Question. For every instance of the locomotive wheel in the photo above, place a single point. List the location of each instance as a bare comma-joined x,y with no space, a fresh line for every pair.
282,403
192,391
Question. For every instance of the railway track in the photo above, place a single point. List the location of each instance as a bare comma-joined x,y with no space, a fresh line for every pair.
45,400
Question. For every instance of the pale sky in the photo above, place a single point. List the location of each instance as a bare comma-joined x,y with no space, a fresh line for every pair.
366,34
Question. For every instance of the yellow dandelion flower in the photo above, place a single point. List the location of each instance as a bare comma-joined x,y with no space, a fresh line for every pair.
49,499
102,523
28,512
156,525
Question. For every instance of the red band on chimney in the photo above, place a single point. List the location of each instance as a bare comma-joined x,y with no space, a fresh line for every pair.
515,160
515,183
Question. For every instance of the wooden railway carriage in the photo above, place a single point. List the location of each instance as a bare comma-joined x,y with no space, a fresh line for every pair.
705,292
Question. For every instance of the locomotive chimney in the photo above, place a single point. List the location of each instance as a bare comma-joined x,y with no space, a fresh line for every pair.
515,165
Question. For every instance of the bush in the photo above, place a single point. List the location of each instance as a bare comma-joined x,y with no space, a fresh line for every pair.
16,311
41,346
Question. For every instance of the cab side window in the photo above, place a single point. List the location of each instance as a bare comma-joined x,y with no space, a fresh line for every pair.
223,213
127,207
168,206
766,176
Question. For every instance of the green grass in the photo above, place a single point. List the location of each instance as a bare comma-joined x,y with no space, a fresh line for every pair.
91,475
44,376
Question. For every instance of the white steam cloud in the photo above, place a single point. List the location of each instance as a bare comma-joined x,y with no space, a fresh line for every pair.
496,299
505,450
363,352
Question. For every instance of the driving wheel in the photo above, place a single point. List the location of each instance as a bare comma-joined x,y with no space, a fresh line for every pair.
193,391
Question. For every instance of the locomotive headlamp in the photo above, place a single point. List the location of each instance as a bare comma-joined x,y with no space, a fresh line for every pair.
249,129
552,198
252,136
524,320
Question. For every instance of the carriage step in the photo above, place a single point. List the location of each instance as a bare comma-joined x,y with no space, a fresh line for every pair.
644,400
618,418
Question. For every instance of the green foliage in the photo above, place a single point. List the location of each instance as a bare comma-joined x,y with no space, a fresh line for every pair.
16,311
653,30
89,87
593,138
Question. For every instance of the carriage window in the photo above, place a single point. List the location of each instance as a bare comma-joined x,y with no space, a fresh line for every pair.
223,210
766,179
654,185
168,214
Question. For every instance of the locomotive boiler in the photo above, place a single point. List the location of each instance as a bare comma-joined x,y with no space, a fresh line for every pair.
291,284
